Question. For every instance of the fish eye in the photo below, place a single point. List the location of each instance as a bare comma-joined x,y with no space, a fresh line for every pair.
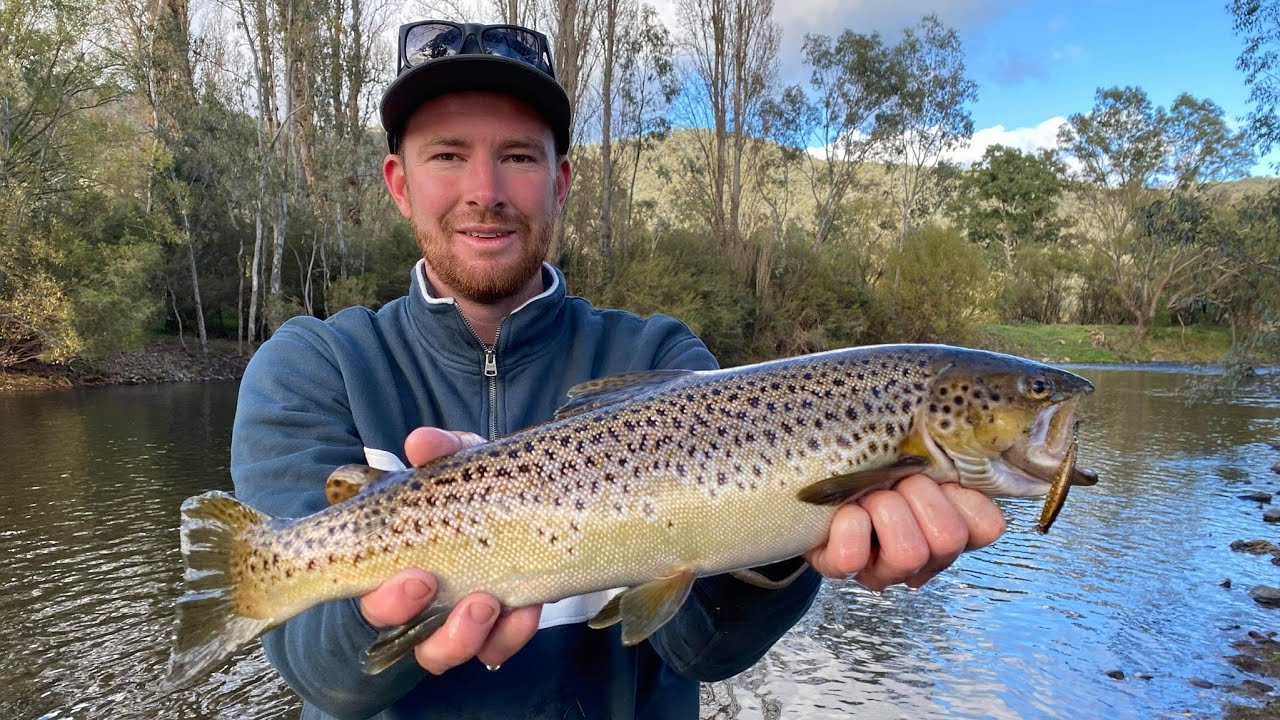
1037,387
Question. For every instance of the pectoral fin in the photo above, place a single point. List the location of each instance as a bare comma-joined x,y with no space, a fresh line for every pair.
348,480
645,608
751,577
395,642
838,489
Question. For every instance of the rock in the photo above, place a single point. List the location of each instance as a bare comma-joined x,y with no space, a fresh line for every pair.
1251,688
1266,595
1256,547
1115,674
1272,515
1225,583
1256,496
1276,468
1144,676
1205,684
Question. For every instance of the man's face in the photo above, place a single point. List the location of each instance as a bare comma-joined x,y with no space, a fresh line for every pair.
479,178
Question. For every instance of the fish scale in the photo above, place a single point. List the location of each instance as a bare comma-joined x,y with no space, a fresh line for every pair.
668,474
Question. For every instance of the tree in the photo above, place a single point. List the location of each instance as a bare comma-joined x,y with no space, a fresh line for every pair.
1257,22
1141,178
733,47
854,82
1010,198
930,117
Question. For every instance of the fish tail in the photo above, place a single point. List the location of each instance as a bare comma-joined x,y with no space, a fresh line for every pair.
210,626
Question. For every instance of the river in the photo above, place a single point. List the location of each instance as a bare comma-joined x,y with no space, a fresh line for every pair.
1129,578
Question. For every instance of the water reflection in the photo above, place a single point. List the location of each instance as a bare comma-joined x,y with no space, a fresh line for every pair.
89,511
1127,580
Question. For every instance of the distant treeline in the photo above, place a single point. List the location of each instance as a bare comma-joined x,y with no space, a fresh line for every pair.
216,180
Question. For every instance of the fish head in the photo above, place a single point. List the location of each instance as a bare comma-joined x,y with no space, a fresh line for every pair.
1003,423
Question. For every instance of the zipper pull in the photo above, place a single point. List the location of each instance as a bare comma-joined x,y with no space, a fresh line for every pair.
490,363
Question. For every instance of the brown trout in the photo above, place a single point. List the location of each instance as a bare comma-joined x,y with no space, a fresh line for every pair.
642,481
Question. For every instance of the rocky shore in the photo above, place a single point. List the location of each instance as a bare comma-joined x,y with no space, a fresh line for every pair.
162,361
1258,652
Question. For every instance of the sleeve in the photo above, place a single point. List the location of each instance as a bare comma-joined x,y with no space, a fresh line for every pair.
727,625
293,425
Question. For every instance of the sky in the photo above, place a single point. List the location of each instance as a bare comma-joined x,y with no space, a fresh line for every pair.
1038,61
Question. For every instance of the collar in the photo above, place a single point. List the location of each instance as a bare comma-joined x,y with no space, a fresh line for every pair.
522,334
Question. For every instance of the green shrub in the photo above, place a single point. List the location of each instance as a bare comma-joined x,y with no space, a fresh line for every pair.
933,286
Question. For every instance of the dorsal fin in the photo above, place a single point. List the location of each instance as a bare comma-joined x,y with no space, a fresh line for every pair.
347,481
603,391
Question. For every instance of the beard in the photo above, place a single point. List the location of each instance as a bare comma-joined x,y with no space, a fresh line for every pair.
487,281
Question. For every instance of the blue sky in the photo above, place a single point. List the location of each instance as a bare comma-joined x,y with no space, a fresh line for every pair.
1038,61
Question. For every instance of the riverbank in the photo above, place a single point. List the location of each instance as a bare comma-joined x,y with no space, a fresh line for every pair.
1194,344
162,361
165,360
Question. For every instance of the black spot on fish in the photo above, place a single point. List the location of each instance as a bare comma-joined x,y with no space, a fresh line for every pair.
851,413
945,424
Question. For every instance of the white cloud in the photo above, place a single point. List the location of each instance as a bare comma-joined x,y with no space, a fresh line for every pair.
831,17
1027,139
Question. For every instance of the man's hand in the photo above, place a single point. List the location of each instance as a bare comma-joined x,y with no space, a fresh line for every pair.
907,534
478,627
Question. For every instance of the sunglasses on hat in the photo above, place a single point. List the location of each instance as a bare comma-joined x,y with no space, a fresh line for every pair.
427,40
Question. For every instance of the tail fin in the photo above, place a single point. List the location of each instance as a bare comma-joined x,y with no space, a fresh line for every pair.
209,628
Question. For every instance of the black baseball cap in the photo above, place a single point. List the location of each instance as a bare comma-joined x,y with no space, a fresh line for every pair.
438,57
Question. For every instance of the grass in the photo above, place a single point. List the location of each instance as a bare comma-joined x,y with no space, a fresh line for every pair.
1107,343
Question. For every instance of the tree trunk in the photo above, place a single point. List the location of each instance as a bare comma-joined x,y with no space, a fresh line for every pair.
195,283
606,128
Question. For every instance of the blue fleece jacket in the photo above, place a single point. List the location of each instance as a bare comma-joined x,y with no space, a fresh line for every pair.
320,394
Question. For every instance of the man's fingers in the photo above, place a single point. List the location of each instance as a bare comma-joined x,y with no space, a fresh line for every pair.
982,517
461,637
428,443
903,549
941,524
399,599
848,547
512,631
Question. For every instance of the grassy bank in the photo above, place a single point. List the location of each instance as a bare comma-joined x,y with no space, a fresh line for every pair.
1107,343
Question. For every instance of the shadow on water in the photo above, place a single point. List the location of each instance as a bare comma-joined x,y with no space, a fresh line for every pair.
1128,579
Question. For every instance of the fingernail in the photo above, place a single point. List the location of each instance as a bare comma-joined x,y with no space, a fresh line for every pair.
492,668
480,612
416,589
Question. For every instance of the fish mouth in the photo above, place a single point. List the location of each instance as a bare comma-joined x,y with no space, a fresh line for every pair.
1029,467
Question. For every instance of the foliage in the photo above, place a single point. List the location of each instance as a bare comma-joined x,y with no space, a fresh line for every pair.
1151,234
1257,22
939,290
1038,287
1010,198
166,171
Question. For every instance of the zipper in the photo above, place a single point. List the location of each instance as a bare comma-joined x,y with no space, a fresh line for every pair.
489,367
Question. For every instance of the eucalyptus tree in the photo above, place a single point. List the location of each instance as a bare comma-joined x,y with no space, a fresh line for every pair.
854,82
930,117
1141,173
1010,198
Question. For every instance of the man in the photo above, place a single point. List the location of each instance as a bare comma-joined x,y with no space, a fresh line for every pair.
488,342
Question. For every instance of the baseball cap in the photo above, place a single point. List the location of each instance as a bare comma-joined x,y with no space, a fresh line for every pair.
438,57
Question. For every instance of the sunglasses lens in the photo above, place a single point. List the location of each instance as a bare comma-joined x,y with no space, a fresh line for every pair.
429,41
516,44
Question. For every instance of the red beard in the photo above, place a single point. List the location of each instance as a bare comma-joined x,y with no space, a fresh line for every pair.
485,282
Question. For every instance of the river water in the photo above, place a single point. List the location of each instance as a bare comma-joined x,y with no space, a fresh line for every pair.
1128,580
